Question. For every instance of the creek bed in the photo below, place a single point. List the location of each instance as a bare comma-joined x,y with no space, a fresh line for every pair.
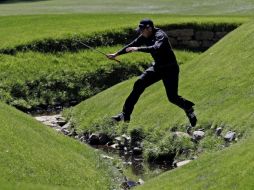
128,159
126,152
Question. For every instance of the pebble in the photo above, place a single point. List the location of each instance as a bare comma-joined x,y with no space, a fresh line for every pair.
182,163
107,157
198,135
230,136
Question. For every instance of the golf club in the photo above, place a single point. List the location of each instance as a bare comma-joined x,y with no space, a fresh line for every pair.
97,51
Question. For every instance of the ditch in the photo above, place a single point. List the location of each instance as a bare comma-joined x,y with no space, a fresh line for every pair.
126,152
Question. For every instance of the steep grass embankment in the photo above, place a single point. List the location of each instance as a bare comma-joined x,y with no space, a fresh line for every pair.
35,157
219,82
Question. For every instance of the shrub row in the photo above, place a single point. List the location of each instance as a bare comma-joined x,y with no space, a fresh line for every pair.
71,42
44,82
63,88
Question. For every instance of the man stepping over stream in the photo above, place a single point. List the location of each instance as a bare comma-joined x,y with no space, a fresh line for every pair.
154,41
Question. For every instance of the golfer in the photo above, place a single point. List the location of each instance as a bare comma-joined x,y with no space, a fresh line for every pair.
154,41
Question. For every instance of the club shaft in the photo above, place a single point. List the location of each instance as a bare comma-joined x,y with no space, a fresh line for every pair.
97,51
92,48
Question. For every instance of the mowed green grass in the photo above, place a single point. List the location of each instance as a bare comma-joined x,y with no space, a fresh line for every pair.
35,157
219,82
20,30
187,7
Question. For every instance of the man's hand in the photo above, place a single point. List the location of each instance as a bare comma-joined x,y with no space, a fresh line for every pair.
131,49
112,56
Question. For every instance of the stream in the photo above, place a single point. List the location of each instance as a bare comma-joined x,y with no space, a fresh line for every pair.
126,152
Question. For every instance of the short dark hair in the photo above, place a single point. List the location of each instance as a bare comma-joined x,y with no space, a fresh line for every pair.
145,23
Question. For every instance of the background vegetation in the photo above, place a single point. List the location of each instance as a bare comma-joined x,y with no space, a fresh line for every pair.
183,7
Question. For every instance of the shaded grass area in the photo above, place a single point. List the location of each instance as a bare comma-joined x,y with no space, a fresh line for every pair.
219,82
183,7
35,157
33,80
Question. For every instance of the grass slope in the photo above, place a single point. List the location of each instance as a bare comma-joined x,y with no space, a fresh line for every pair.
35,157
219,82
228,169
187,7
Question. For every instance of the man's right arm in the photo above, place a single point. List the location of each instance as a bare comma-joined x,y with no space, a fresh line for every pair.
134,43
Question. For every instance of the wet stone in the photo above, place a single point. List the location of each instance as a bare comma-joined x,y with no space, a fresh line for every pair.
115,146
118,139
230,136
65,131
180,134
198,135
104,139
61,122
127,163
137,150
162,159
83,136
141,182
50,124
107,157
66,126
126,137
73,133
53,121
218,131
94,139
138,159
182,163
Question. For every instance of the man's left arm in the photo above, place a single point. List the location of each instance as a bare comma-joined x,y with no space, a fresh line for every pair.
159,40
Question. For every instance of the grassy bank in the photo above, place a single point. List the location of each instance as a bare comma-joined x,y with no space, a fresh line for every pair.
228,169
35,157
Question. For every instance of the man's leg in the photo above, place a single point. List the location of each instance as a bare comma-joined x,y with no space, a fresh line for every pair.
170,81
148,78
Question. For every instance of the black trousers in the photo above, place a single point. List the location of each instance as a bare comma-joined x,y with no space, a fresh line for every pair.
169,77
